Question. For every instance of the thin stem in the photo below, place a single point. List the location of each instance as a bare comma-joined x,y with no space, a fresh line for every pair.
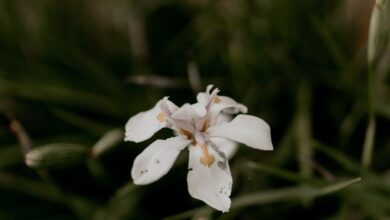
272,196
303,130
368,146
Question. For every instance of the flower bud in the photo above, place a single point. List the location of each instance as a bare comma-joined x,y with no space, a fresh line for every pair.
56,155
107,141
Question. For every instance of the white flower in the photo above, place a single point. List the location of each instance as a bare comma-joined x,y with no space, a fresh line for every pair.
210,135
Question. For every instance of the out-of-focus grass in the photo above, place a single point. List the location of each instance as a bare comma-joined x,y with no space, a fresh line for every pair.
74,71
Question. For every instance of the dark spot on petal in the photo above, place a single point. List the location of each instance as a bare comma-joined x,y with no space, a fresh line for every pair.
190,169
222,164
157,161
220,153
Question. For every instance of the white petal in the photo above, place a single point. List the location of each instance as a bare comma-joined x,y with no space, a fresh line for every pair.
167,106
199,109
157,159
212,184
202,98
246,129
226,105
185,112
226,146
223,117
144,124
189,112
231,106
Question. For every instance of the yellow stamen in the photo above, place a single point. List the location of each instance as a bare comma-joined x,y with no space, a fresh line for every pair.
161,117
205,126
206,158
186,133
217,100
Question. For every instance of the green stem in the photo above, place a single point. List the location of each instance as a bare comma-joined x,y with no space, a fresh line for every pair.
303,130
369,140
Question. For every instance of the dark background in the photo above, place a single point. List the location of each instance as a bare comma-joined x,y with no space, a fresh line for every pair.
71,71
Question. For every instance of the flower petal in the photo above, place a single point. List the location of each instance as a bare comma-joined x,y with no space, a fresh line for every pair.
226,146
189,112
167,106
222,118
144,124
199,109
202,98
246,129
225,103
230,106
212,184
157,159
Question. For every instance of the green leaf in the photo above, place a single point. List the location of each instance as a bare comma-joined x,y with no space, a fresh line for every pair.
60,94
339,157
79,121
291,176
121,205
272,196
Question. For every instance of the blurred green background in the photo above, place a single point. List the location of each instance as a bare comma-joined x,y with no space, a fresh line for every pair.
73,72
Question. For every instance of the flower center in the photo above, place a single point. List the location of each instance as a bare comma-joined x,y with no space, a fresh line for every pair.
205,126
201,141
186,133
194,128
206,159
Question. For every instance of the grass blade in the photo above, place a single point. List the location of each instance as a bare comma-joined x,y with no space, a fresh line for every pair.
272,196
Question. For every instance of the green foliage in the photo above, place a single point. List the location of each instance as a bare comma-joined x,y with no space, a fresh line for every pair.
75,71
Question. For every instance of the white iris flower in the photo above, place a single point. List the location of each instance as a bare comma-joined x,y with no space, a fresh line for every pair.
207,131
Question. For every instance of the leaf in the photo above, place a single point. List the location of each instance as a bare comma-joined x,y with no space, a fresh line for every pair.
77,120
339,157
121,205
272,196
60,94
291,176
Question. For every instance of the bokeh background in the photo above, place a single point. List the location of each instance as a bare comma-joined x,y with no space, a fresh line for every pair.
73,72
